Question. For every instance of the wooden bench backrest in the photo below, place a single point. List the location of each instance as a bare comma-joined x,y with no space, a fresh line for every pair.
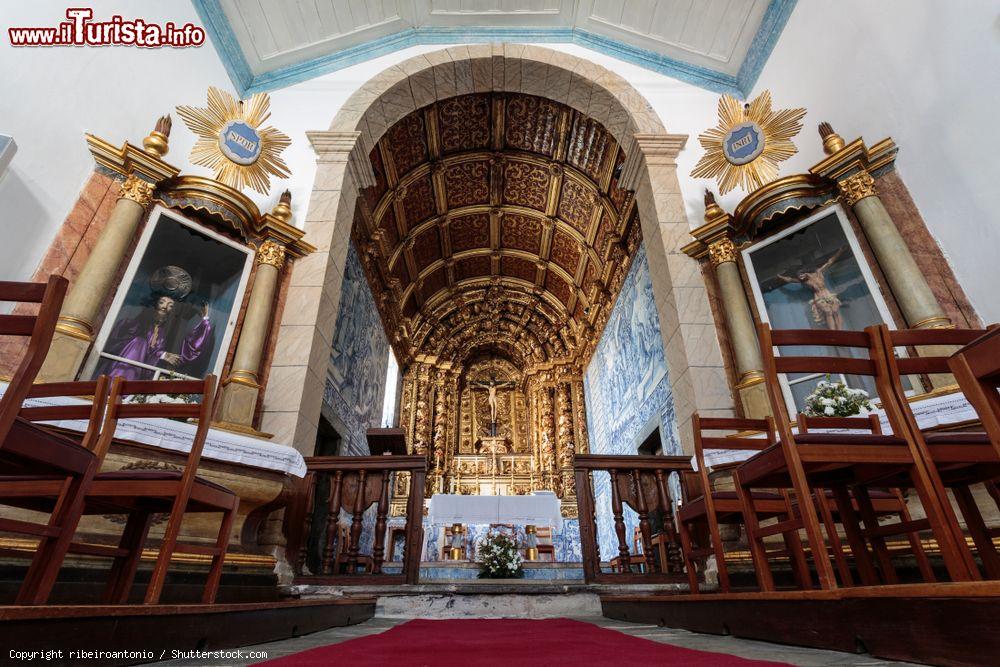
977,369
119,407
702,442
92,413
844,341
38,328
870,423
926,363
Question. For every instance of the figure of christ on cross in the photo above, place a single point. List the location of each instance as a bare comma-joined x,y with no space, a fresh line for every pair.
491,394
825,303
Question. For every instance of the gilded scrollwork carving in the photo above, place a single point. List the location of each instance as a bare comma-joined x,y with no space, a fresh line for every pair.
856,187
271,254
547,427
722,251
137,189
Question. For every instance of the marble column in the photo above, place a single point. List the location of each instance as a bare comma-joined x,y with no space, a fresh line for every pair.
914,296
848,165
742,334
75,330
239,396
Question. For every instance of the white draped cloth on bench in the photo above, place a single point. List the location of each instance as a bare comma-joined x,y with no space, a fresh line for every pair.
177,436
929,412
538,509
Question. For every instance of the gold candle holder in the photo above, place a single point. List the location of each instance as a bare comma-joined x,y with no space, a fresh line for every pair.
455,552
531,539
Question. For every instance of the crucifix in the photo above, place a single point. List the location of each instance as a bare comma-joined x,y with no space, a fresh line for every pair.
825,303
491,396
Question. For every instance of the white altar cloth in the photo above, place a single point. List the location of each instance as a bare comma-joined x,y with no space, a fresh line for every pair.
930,412
538,509
177,436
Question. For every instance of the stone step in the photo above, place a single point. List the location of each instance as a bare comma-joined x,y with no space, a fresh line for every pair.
444,571
477,587
484,598
472,605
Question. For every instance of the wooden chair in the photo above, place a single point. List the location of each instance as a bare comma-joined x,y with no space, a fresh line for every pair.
50,472
976,368
956,459
811,461
868,506
546,549
39,330
31,455
137,493
703,506
143,493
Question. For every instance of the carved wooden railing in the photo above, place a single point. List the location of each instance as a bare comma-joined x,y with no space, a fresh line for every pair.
641,483
327,554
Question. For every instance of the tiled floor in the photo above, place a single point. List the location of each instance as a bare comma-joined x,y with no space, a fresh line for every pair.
740,647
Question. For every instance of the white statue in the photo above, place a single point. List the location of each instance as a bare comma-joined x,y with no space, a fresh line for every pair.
491,394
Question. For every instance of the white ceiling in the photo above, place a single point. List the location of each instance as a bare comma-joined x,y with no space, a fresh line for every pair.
713,34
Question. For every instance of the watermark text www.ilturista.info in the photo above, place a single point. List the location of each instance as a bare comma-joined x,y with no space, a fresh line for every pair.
81,30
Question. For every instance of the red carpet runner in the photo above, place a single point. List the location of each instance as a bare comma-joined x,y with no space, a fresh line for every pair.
506,642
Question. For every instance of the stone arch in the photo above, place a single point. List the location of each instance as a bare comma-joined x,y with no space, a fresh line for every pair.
694,360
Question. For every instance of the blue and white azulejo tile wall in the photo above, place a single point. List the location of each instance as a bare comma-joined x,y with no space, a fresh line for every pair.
355,382
627,388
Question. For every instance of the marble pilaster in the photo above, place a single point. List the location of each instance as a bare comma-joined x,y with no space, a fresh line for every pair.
75,330
239,395
742,336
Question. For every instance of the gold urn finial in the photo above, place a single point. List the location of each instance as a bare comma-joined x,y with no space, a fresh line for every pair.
157,143
283,209
712,209
832,142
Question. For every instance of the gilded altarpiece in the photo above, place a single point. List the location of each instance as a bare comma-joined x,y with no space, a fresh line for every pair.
539,425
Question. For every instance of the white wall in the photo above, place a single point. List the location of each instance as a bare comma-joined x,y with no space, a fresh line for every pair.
924,72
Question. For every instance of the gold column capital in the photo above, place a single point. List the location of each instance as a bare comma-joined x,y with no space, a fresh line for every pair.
272,254
856,187
722,251
137,189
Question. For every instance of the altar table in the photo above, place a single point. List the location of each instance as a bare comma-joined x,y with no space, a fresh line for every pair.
176,436
538,509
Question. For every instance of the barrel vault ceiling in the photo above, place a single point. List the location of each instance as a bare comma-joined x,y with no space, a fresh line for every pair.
496,225
717,44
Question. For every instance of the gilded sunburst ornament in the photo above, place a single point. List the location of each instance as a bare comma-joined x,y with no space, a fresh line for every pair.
232,143
744,149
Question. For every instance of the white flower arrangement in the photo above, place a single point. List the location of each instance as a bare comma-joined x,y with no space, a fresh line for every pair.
498,557
836,399
163,398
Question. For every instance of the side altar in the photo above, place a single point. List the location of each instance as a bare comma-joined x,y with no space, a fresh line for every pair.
174,275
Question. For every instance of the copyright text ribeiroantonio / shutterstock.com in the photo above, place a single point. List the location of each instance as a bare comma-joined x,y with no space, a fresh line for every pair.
139,656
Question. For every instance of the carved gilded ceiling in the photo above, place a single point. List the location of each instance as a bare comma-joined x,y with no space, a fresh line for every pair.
496,224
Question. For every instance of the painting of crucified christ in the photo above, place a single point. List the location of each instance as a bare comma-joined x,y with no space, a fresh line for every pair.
825,303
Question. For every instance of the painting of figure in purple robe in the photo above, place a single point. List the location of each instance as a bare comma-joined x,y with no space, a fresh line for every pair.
175,314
